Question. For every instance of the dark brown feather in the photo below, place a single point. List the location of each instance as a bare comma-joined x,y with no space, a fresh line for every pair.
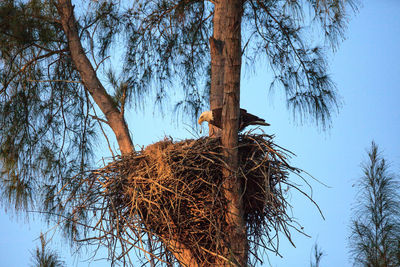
245,119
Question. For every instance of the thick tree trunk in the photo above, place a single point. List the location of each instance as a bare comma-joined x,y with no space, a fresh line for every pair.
113,115
228,14
89,78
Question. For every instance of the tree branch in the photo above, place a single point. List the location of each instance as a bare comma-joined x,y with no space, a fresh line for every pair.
90,80
30,62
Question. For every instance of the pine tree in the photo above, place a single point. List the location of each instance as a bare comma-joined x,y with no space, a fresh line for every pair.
375,231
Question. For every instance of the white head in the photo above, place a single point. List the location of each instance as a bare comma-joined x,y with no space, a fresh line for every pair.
205,116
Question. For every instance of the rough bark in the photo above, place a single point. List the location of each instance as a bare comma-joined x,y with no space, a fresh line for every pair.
89,78
114,116
230,15
217,64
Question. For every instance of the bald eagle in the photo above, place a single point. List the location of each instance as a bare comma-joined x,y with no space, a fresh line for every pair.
214,117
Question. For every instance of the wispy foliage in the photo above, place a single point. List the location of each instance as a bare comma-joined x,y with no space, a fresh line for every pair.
375,229
282,31
168,46
45,127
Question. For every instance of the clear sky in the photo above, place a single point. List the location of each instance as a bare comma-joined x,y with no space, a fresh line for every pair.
366,70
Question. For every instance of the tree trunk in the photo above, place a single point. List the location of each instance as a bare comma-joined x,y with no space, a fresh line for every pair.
228,15
217,64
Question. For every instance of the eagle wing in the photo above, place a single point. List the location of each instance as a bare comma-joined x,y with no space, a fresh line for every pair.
247,119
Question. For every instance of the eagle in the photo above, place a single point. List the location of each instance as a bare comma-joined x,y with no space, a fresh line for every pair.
214,117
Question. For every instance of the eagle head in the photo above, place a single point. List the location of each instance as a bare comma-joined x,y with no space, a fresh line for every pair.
205,116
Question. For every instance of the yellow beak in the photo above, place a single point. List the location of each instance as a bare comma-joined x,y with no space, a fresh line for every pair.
200,121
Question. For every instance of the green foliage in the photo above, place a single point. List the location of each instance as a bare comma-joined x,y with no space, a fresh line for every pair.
167,46
375,229
21,25
43,257
45,128
167,40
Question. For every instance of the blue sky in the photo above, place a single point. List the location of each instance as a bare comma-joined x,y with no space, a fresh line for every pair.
366,70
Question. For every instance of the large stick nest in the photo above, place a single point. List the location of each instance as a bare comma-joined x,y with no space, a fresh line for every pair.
173,191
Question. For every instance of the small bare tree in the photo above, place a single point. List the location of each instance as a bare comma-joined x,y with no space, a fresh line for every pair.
316,256
45,257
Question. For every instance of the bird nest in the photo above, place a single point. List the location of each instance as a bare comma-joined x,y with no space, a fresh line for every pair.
173,191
